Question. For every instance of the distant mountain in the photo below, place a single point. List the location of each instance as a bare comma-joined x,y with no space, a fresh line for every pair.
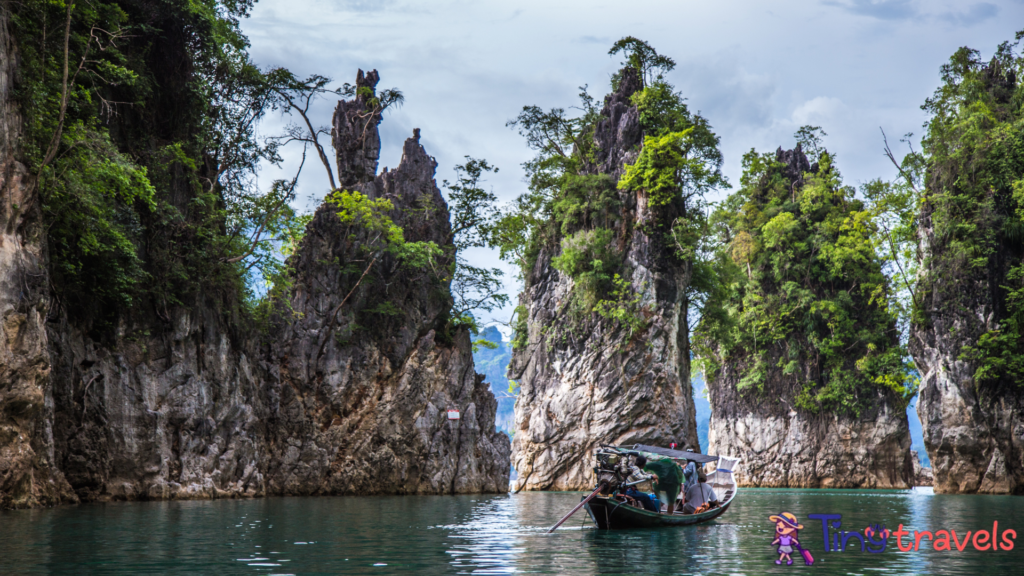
493,364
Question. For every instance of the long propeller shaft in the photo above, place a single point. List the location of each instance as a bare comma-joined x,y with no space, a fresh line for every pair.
578,506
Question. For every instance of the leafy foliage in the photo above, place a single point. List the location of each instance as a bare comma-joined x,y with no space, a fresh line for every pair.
974,202
623,306
811,139
801,292
582,217
668,169
141,124
472,211
643,58
590,258
894,208
362,213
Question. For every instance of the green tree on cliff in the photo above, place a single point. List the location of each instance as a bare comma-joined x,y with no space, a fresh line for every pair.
974,203
576,211
801,295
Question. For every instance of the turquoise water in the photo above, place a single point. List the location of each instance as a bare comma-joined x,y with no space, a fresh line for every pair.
497,534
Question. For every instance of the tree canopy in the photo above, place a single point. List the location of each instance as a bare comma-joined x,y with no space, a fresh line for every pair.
802,294
974,202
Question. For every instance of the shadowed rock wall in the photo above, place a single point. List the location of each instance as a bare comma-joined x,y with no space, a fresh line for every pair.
28,476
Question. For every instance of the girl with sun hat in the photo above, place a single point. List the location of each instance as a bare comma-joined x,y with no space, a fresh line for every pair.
786,530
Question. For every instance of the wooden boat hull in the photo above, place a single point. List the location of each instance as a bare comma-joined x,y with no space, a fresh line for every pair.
610,514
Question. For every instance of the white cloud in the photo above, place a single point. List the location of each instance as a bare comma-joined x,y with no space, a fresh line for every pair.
819,111
881,9
757,71
975,14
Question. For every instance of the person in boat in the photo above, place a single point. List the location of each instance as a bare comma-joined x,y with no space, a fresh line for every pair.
689,475
637,477
669,481
700,496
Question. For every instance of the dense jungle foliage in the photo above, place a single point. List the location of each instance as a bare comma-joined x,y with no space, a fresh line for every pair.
812,273
974,202
142,122
581,215
802,294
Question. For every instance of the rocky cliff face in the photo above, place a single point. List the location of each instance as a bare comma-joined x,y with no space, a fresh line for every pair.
360,390
782,445
192,403
974,436
975,441
28,476
163,411
922,474
585,384
355,135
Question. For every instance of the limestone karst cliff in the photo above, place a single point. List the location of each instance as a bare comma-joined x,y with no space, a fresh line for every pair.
967,337
586,379
788,448
28,476
191,400
793,371
167,410
363,376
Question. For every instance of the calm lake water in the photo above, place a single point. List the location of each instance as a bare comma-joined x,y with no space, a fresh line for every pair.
487,535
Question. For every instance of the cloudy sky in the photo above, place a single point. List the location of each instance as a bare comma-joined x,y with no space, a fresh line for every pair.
757,70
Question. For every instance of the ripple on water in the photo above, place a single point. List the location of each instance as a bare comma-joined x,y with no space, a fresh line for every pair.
498,534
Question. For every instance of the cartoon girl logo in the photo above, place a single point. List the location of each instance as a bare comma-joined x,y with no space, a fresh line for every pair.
786,531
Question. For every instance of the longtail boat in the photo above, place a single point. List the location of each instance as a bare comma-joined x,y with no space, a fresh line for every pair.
610,509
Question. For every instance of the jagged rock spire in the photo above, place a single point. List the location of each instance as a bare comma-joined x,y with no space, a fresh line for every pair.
354,133
618,133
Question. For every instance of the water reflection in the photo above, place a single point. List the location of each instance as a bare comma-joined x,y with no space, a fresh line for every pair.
500,534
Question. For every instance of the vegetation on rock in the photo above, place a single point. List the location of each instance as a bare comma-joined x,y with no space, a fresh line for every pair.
802,293
141,127
574,207
974,203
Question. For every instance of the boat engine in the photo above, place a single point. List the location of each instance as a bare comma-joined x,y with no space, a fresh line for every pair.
612,468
